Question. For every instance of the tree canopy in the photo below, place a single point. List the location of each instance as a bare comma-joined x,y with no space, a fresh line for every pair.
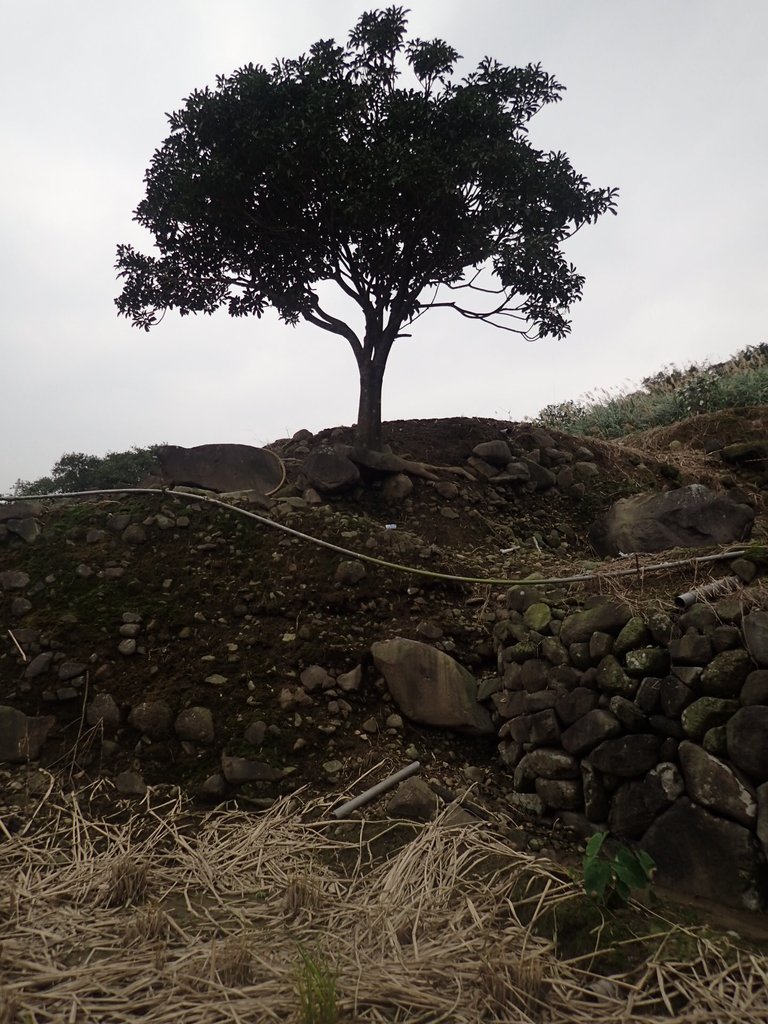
371,167
76,471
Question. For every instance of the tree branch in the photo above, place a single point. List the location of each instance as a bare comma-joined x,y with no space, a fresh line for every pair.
334,326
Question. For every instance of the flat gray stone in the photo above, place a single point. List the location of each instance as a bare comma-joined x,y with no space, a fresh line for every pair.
430,687
221,467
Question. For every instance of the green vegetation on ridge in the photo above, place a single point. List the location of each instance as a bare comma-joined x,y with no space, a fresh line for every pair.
670,395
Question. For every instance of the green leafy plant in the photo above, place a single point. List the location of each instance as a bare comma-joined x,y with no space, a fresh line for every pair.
316,986
615,878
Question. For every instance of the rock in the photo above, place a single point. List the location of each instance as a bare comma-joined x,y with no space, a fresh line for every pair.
28,529
330,473
348,682
560,794
546,763
396,488
754,690
127,648
648,661
103,710
706,713
628,714
533,675
237,770
22,737
600,645
713,784
152,718
214,786
20,510
744,569
755,626
633,634
687,517
221,467
495,452
762,816
130,784
134,534
216,679
316,678
608,617
648,694
12,579
71,670
725,674
587,732
39,664
570,707
537,616
697,853
430,687
332,768
716,741
627,756
699,616
413,799
611,678
691,649
595,797
195,724
634,807
350,573
538,730
429,631
674,696
482,468
20,607
542,479
747,733
255,733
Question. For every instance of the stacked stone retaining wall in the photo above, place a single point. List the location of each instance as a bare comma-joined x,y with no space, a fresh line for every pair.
654,727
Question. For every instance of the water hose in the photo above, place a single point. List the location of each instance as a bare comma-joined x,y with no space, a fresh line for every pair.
432,574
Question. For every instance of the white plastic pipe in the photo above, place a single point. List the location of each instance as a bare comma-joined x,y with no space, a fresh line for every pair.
713,589
381,787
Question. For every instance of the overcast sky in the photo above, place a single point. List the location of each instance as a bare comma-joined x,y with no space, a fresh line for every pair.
665,100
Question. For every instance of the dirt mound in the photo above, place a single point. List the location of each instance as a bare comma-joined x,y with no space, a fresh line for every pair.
173,603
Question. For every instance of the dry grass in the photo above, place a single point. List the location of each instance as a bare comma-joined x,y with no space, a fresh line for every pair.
214,916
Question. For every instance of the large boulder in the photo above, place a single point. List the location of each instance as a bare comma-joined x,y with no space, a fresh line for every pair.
221,467
330,473
698,853
688,517
431,687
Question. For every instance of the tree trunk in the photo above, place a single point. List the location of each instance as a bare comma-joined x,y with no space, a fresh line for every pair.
369,410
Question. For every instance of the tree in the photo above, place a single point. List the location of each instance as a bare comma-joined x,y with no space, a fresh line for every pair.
324,170
76,471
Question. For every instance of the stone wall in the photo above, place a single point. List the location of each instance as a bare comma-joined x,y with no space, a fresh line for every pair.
654,727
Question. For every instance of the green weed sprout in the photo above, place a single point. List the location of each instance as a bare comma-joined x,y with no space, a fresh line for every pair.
316,986
607,878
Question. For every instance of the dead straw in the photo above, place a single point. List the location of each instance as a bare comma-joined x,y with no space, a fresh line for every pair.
174,916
